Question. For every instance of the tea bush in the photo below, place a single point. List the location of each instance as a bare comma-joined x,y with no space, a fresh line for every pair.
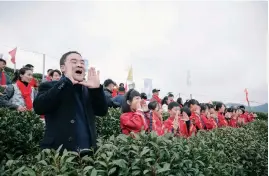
224,151
20,133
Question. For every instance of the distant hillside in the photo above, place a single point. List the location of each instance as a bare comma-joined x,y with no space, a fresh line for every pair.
260,108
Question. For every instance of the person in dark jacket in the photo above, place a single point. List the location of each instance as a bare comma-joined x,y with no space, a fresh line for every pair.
109,86
120,97
70,106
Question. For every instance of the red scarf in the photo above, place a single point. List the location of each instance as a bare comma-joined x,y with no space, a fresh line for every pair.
26,94
3,79
156,98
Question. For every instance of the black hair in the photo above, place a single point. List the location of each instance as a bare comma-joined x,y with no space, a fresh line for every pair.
153,105
121,85
231,109
109,81
20,72
49,70
179,101
241,107
64,56
29,66
170,95
164,100
53,71
186,110
172,105
2,60
144,96
129,97
210,106
219,105
203,106
190,102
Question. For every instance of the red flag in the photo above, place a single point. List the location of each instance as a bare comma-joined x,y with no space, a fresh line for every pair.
13,55
246,91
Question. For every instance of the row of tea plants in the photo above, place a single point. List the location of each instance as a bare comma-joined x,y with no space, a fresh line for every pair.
224,151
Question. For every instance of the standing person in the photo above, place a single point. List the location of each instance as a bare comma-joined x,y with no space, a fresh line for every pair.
70,106
193,105
120,97
34,83
212,116
155,96
208,121
48,77
144,99
179,122
164,104
180,102
55,75
132,118
108,89
19,95
170,98
4,78
155,120
233,117
220,108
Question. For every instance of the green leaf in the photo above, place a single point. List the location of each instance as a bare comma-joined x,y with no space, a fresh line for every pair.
18,170
111,171
94,172
144,151
87,169
120,162
43,162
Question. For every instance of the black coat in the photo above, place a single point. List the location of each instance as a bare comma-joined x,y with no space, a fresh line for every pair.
56,101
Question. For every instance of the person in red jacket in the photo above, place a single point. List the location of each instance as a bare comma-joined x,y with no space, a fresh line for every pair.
206,118
220,108
132,119
179,122
193,105
155,120
155,96
231,113
213,115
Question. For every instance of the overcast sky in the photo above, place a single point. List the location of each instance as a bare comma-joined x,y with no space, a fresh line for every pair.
223,44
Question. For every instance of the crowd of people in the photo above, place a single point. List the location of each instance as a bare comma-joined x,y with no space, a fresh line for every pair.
69,103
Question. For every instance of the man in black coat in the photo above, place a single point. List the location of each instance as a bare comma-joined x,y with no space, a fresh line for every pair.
70,106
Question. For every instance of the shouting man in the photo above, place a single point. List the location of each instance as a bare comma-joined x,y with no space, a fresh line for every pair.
70,106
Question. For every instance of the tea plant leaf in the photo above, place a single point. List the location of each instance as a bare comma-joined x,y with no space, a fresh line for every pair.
94,172
112,171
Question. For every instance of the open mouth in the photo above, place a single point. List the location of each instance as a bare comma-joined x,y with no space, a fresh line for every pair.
79,72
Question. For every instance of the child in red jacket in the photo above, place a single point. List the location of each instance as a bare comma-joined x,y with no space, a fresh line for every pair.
206,118
194,107
155,120
231,117
132,119
220,108
179,121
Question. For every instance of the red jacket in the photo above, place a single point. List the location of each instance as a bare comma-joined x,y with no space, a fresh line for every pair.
250,117
222,121
33,83
156,98
182,131
210,123
155,124
243,118
233,122
197,121
133,122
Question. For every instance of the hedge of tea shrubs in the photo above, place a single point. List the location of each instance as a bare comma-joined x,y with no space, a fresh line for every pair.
225,151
